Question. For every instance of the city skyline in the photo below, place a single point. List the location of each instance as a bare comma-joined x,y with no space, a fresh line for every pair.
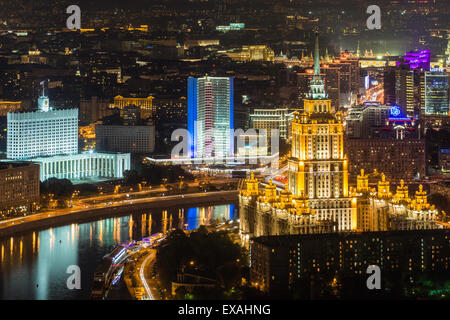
225,151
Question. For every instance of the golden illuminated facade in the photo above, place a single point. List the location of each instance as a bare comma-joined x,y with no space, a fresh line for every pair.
9,106
269,212
381,210
145,104
318,168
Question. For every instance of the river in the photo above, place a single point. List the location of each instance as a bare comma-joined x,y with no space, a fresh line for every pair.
33,265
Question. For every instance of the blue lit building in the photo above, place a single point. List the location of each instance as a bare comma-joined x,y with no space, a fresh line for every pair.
210,117
434,93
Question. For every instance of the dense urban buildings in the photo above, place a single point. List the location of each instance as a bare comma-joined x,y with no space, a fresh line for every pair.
83,165
317,175
382,138
9,106
279,261
145,105
318,197
357,177
398,159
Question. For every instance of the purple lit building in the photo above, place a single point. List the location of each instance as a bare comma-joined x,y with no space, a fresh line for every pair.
417,60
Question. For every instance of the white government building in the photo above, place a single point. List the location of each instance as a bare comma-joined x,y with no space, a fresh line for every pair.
84,165
40,133
50,138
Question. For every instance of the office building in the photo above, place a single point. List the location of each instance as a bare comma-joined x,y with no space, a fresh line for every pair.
170,110
50,137
42,133
277,262
210,116
268,119
317,175
434,93
145,104
19,188
404,91
417,60
389,86
93,109
127,139
253,53
372,120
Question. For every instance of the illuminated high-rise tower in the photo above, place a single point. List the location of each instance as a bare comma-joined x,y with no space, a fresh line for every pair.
210,116
318,168
434,93
447,53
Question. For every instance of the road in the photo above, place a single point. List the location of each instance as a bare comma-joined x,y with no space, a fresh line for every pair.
142,273
114,205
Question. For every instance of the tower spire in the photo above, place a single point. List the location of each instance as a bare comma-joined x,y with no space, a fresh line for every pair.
316,85
316,56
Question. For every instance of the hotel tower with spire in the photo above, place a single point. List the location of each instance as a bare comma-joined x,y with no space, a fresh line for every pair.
318,167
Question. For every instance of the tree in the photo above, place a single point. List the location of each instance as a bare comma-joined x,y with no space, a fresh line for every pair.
60,188
130,178
440,201
209,254
87,189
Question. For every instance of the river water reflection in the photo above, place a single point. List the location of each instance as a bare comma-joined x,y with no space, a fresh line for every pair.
33,265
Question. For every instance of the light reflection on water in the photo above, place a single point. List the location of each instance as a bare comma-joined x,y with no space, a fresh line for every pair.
33,265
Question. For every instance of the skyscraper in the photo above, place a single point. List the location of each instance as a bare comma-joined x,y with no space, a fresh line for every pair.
404,90
210,116
318,168
399,89
434,93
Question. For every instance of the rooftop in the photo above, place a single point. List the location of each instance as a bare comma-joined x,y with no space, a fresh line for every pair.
281,240
14,164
